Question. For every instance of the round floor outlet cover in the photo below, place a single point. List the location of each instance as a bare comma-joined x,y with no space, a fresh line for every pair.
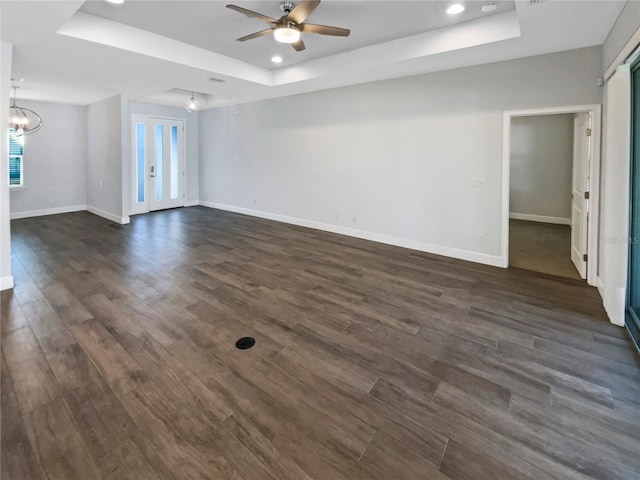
245,342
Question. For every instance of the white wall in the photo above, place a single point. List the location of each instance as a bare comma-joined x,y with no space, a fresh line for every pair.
192,186
104,159
54,162
614,234
125,160
398,155
541,165
615,197
6,279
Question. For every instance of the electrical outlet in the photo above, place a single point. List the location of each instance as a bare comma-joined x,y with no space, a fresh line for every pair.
354,219
336,217
50,199
255,202
481,238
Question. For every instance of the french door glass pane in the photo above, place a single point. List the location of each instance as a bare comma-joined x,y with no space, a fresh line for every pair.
140,174
174,162
159,161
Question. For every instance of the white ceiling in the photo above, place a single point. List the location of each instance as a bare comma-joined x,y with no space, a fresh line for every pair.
211,26
77,53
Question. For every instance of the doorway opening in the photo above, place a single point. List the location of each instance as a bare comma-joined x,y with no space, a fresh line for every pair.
550,190
158,175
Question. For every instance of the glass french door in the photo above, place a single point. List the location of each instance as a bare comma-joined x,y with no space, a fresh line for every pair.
633,303
159,164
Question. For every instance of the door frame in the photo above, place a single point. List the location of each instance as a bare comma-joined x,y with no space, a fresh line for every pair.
138,208
594,179
632,316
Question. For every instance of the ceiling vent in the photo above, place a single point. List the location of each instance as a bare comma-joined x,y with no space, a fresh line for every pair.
537,1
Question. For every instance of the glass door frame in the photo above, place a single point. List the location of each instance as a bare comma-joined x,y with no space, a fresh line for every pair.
633,304
146,120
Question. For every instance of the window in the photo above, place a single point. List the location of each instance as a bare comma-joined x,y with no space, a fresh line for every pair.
16,148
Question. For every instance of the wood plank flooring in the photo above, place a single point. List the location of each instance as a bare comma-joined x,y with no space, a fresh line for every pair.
371,362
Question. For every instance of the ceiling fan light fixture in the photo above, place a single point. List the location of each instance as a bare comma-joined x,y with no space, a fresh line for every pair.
192,105
286,33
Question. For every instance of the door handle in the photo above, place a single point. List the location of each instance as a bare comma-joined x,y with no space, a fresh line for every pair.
153,172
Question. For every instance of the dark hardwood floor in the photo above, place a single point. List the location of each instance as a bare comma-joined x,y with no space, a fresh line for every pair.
371,362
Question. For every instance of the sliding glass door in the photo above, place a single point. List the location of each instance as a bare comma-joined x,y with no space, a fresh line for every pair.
633,304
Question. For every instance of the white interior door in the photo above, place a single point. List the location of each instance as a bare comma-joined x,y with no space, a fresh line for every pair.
580,189
166,163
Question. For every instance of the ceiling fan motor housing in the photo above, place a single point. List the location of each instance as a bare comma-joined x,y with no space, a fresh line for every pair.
286,6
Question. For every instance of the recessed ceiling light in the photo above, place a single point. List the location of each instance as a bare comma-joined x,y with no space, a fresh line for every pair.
276,59
455,9
118,2
488,7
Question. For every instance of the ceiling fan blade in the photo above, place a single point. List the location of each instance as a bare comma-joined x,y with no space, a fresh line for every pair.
252,14
298,46
324,30
303,10
255,35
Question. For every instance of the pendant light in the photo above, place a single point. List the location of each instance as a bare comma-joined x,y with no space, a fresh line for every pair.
22,120
192,105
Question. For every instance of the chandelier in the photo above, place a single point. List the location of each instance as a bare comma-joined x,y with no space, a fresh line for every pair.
22,120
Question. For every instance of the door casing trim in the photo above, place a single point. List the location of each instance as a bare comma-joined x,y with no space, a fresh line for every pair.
594,179
141,118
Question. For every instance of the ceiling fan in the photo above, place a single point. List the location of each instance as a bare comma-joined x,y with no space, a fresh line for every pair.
287,29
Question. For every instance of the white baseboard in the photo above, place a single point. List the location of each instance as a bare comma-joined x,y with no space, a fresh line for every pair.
192,203
376,237
72,208
109,216
6,282
540,218
47,211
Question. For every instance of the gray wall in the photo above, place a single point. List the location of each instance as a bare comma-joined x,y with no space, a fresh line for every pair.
104,156
541,165
54,160
398,155
192,186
